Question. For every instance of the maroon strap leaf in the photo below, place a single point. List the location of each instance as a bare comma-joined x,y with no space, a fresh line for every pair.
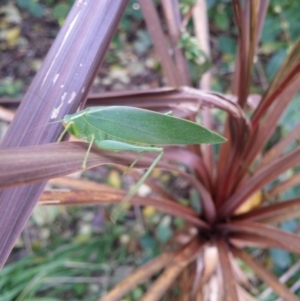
279,147
60,86
108,195
31,164
255,240
261,178
281,237
273,213
230,285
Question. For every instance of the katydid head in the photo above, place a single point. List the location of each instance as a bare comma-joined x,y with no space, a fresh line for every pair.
73,123
66,122
70,127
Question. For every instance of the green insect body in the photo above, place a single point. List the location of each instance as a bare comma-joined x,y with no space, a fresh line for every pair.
120,128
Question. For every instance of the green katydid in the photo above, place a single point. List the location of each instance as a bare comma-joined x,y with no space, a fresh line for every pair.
120,128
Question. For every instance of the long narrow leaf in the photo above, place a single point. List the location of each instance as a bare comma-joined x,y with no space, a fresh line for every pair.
268,125
237,9
279,147
165,97
274,213
60,86
280,236
265,275
107,195
201,26
247,22
262,11
283,279
230,285
173,20
255,240
288,72
67,157
261,178
80,184
42,162
284,185
166,279
139,276
288,64
159,41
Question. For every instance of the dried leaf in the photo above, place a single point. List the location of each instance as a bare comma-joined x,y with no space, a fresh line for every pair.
166,279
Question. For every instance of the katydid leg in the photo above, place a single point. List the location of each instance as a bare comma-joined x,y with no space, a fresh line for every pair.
133,163
118,146
88,152
122,206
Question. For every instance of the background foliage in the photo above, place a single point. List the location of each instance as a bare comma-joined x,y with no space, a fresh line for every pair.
130,63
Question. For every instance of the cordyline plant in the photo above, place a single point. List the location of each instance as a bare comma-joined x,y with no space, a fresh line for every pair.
205,261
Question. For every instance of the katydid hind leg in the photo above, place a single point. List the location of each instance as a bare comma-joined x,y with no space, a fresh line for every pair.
123,204
133,163
87,153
